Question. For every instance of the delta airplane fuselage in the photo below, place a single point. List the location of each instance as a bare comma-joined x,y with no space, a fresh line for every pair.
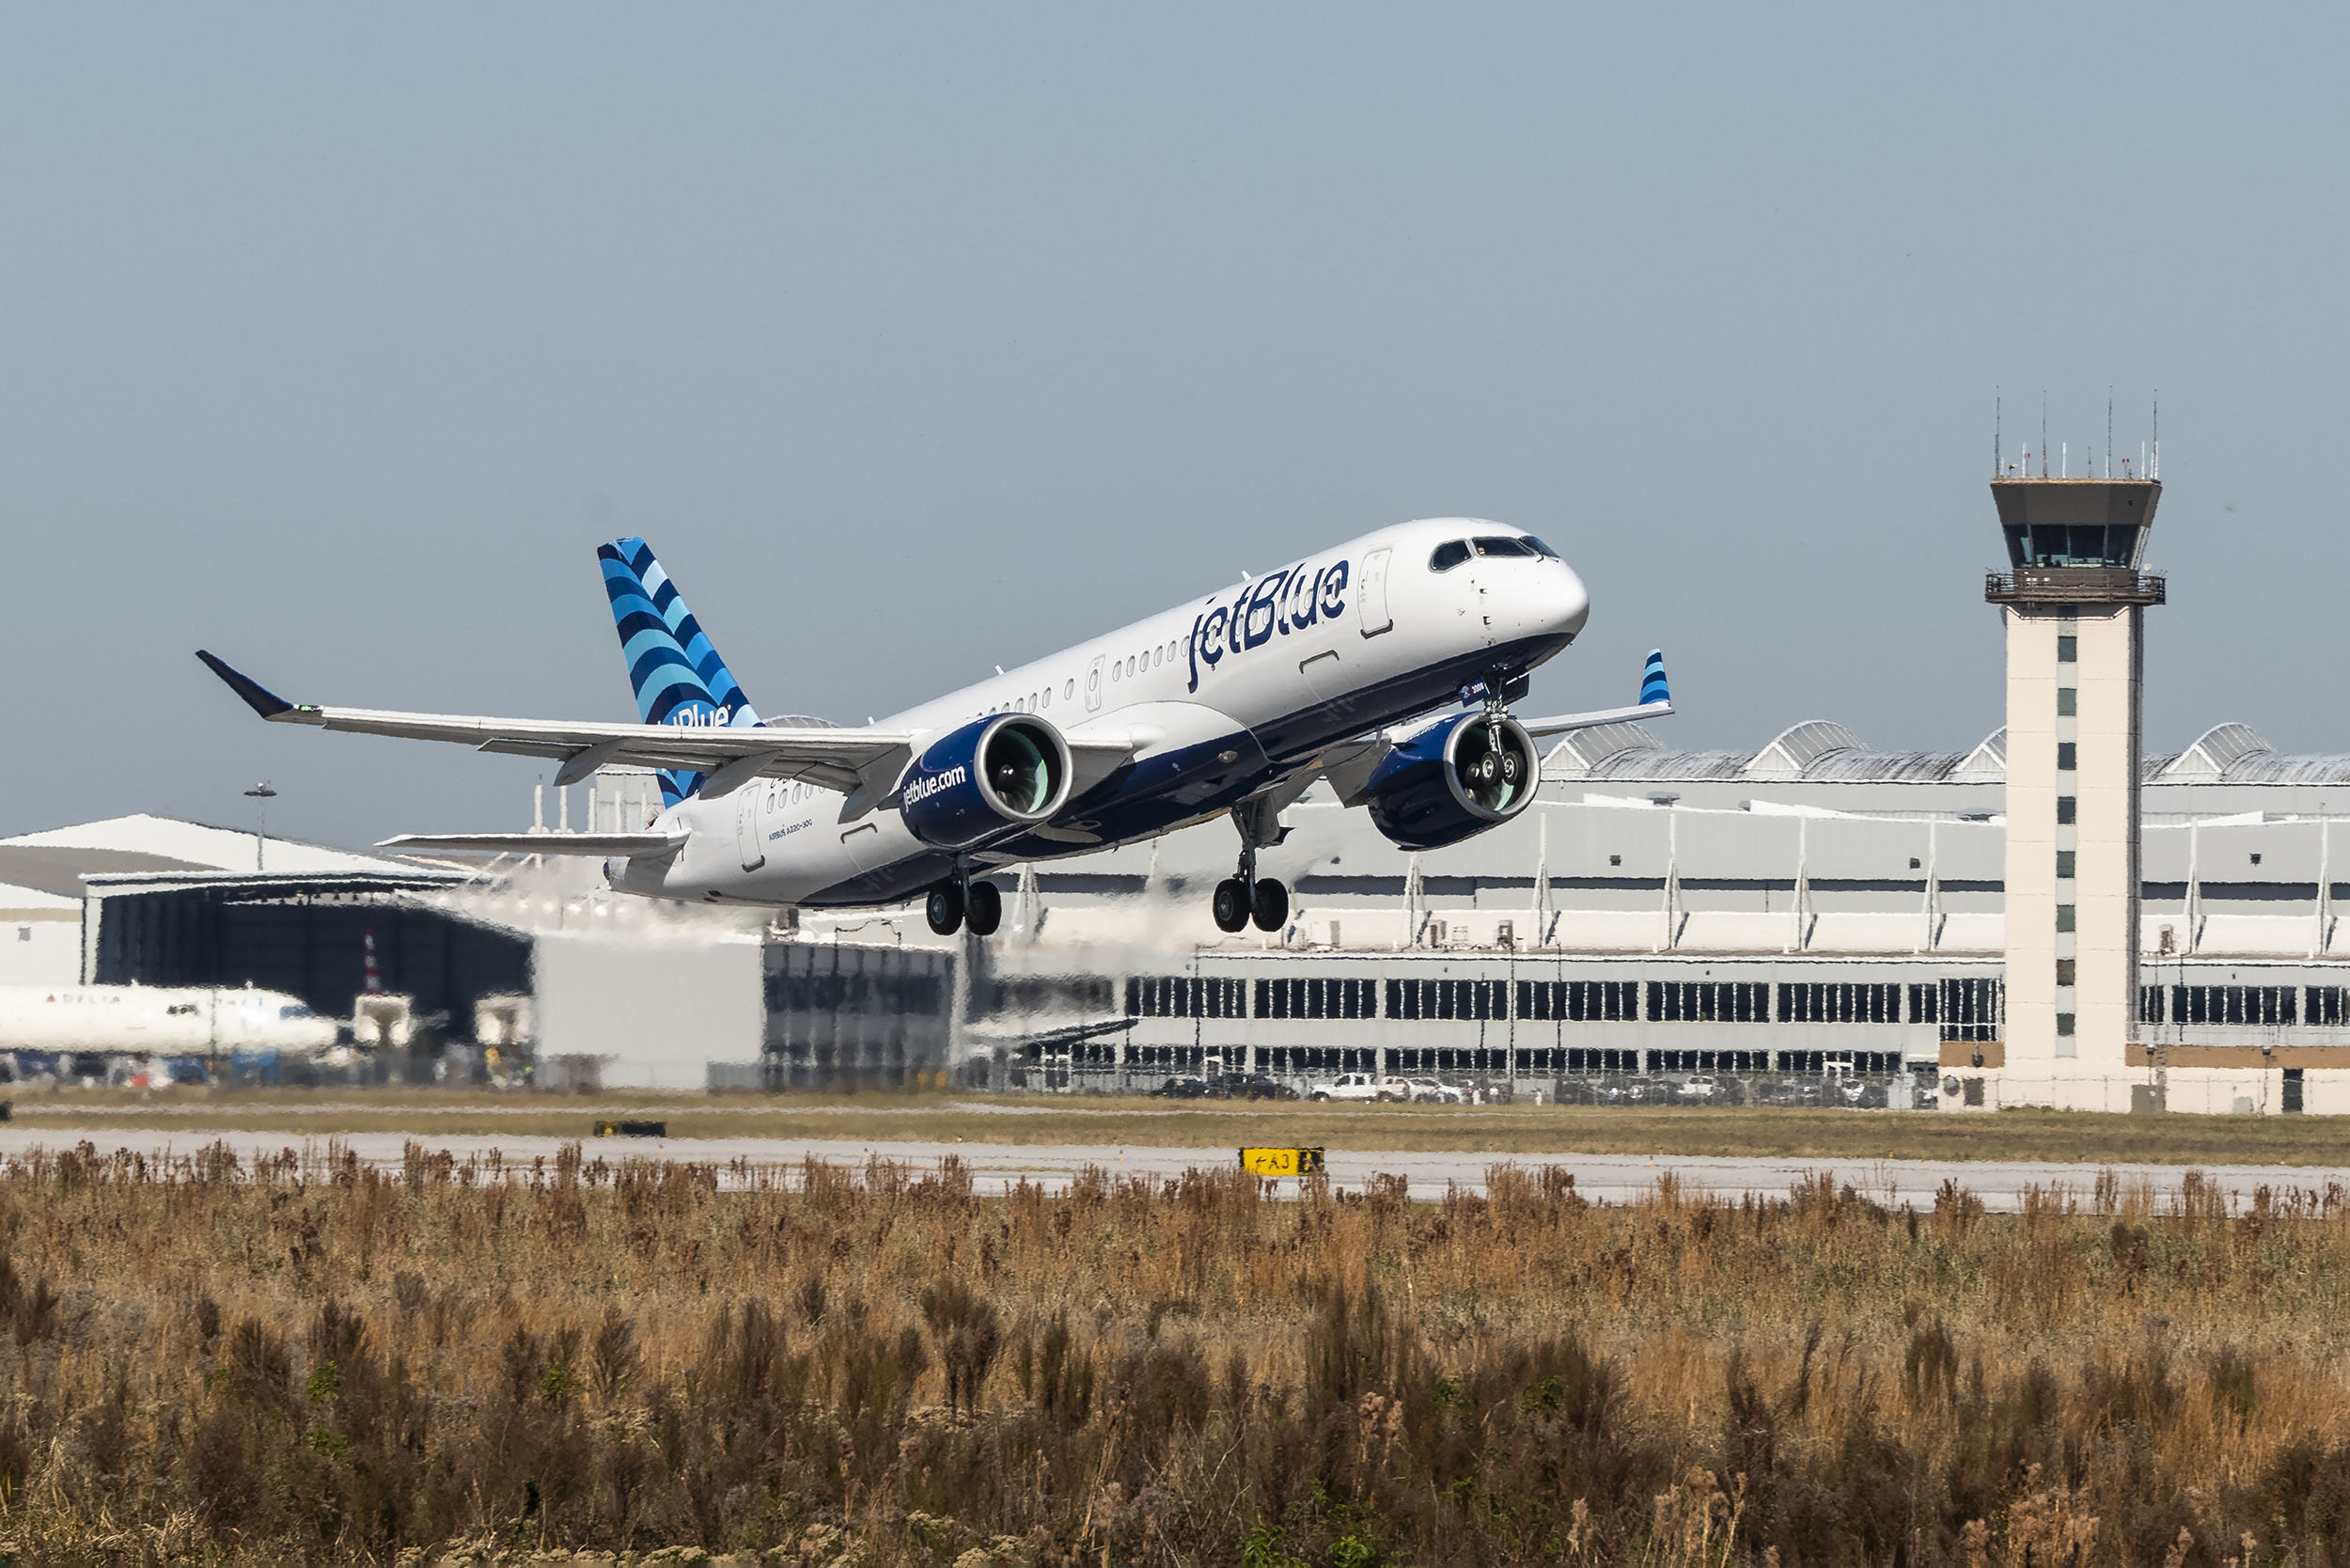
1223,697
172,1020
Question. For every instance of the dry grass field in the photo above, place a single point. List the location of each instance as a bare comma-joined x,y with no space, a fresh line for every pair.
864,1370
2079,1137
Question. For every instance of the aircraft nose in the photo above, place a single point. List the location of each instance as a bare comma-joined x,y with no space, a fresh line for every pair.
1570,603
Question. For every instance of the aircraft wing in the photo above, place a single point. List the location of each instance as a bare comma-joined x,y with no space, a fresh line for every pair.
1656,700
732,757
1542,729
626,845
862,765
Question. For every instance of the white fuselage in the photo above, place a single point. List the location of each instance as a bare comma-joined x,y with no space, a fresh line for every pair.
164,1019
1348,640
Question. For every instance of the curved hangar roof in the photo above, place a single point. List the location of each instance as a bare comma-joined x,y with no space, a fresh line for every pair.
1823,751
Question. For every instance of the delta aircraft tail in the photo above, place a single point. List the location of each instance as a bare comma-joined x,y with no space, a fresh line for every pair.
677,675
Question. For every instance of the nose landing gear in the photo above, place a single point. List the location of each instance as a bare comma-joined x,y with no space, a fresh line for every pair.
958,901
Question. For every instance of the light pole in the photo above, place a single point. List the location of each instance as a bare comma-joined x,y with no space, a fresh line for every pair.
261,795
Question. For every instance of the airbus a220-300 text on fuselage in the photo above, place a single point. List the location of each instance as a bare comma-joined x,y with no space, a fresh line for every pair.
1385,665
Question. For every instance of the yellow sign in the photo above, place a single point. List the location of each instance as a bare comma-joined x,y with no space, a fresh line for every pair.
1281,1162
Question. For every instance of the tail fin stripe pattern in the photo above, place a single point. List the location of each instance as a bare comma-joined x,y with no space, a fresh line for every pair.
676,673
1652,684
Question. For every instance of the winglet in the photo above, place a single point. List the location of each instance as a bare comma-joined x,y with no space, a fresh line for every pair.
1652,686
258,698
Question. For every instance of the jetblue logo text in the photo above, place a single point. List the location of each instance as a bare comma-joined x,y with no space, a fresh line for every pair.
1276,606
930,784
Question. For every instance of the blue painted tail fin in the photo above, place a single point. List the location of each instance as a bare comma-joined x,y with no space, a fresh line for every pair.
1652,686
677,675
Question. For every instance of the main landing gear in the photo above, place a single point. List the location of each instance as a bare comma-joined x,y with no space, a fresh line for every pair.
958,902
1247,897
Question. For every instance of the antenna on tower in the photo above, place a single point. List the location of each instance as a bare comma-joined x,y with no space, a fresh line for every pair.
2108,432
1995,432
2044,433
2153,468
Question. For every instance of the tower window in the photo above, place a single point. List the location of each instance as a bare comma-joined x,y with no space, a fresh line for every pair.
2068,701
2064,1024
2065,804
2065,917
2068,650
2064,971
2068,756
2064,865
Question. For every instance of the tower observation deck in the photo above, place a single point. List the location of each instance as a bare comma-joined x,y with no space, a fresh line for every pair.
2073,600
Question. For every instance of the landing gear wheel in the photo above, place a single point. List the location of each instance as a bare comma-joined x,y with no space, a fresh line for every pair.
1230,904
1269,907
944,908
986,911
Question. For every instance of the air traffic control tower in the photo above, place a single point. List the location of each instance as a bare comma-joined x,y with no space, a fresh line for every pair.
2073,600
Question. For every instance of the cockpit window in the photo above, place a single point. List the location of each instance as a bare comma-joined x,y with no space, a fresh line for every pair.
1542,549
1451,553
1504,545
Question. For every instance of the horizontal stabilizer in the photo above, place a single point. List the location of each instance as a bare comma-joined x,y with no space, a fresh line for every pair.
627,845
1071,1034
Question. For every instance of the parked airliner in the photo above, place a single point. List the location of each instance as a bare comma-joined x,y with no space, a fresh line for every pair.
193,1020
1385,666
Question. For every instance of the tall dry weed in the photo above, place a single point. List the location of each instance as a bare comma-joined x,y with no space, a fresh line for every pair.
306,1357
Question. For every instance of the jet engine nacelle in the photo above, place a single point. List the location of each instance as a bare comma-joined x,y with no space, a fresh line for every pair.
1453,781
990,777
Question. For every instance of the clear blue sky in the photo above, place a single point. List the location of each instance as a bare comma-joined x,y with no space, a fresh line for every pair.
919,341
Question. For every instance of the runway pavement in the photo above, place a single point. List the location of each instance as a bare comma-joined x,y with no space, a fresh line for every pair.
2001,1185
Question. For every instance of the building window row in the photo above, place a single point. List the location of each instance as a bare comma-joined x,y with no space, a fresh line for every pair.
1471,999
1579,1001
1970,1004
1709,1001
2236,1004
1320,998
1839,1002
1187,996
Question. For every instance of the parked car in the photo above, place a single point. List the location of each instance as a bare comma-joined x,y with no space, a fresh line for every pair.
1700,1088
1183,1089
1252,1086
1358,1087
1434,1092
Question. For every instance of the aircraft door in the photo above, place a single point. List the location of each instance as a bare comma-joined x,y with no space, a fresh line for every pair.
1372,599
1093,683
747,846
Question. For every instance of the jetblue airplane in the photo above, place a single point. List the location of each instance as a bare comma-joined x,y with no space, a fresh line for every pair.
1385,666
